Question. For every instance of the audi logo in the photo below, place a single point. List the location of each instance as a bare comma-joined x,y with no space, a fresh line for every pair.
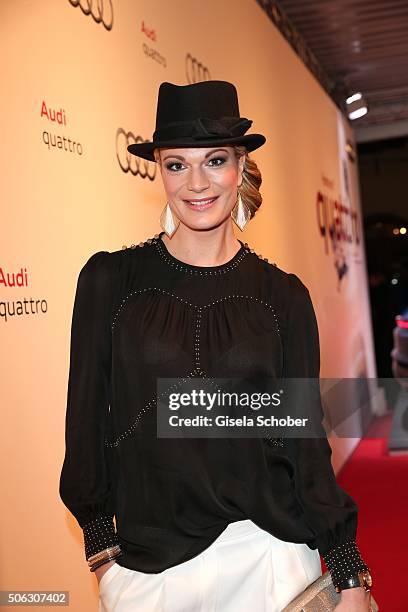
195,71
131,163
100,10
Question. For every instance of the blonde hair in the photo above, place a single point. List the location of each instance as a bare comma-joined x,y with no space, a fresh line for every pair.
251,179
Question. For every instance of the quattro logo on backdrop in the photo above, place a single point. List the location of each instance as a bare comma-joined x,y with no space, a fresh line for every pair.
21,306
339,227
100,10
57,141
195,70
149,51
131,163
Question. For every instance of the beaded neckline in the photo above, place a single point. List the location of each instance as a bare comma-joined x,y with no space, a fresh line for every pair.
201,270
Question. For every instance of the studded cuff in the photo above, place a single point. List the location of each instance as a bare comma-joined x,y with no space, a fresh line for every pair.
99,534
344,561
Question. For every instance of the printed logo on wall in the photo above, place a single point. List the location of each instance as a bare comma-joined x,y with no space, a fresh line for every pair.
101,11
131,163
58,141
195,71
11,306
339,227
150,52
338,218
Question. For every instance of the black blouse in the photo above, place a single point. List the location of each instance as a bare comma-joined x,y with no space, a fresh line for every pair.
139,314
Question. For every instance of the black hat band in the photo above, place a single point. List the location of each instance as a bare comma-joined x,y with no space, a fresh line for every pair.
204,128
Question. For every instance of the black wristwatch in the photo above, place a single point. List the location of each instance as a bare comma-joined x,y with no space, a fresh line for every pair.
363,579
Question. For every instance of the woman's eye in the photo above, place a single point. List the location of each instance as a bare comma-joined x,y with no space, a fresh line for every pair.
221,159
170,166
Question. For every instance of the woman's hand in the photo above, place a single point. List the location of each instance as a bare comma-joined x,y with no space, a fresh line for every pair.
356,599
99,572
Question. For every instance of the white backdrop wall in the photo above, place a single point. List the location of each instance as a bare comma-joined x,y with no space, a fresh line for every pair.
77,87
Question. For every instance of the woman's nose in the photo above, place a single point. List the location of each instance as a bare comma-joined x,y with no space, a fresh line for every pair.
197,179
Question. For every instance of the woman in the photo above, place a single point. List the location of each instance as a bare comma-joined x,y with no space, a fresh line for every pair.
226,524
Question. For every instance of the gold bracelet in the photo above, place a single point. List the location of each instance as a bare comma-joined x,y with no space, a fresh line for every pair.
99,563
104,553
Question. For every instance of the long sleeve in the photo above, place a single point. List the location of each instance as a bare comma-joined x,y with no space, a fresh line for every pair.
329,510
85,487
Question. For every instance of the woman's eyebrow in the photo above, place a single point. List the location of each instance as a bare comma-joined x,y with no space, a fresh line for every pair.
182,158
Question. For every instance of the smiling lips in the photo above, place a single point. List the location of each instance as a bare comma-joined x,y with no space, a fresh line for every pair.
201,204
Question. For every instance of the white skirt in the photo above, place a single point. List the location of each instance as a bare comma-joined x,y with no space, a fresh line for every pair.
245,568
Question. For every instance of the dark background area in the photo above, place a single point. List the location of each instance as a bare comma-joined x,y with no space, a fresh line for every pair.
383,168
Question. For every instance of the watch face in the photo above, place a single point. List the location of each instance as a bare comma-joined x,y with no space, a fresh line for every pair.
366,578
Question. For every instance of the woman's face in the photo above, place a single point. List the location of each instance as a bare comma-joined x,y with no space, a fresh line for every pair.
189,175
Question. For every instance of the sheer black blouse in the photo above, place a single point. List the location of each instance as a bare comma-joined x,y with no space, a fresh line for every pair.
140,314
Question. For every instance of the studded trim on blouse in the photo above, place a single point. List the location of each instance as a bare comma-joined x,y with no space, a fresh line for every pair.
199,308
99,534
190,268
344,561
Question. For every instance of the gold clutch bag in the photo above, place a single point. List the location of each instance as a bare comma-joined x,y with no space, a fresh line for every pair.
319,596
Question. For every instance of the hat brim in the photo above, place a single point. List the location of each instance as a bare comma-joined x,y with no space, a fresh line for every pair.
145,149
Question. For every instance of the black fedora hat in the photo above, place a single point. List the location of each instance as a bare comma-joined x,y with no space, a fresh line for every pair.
201,114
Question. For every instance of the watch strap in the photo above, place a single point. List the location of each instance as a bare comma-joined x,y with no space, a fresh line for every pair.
349,583
362,579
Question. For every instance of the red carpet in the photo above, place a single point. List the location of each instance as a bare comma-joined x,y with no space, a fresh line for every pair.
379,484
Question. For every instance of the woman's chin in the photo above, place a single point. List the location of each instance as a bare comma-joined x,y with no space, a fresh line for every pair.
205,219
204,222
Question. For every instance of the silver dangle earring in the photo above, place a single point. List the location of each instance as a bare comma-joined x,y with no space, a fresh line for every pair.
168,221
240,214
